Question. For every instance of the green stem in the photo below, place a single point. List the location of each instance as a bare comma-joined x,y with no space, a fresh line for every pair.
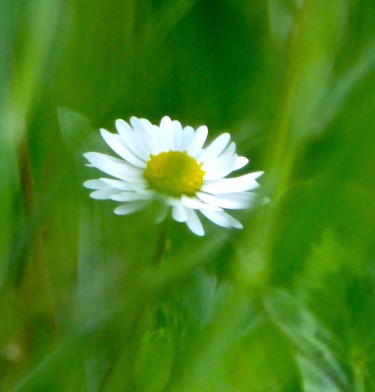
34,274
285,146
120,375
162,240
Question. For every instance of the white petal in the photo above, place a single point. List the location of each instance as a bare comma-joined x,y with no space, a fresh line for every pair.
132,140
231,185
115,142
95,184
166,134
118,184
152,140
142,128
129,208
187,137
193,223
197,141
177,135
103,194
227,158
179,213
146,124
113,166
196,204
137,124
216,175
231,201
221,218
215,148
218,168
240,163
132,196
148,134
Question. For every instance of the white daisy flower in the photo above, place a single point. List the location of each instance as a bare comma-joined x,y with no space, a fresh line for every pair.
169,162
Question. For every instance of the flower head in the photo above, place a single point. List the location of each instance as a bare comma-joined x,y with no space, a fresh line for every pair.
169,162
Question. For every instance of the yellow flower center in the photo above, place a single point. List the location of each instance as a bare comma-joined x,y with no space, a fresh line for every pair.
174,173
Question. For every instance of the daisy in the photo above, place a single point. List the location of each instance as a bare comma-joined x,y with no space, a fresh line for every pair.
169,162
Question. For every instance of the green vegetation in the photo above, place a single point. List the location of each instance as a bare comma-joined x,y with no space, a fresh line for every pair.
287,303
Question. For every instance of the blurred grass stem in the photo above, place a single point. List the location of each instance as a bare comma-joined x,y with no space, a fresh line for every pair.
30,62
284,148
38,270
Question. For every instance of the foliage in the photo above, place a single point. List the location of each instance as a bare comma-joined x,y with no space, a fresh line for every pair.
287,304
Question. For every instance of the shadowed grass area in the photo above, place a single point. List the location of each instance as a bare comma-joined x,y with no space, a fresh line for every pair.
287,303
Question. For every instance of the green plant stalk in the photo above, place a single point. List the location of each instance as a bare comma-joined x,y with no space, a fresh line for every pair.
37,271
162,241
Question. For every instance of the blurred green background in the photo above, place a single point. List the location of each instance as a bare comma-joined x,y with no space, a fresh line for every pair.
287,304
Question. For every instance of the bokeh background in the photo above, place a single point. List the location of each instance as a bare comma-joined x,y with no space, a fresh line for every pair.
287,304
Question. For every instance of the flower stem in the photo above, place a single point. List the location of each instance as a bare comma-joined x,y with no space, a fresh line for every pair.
162,240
